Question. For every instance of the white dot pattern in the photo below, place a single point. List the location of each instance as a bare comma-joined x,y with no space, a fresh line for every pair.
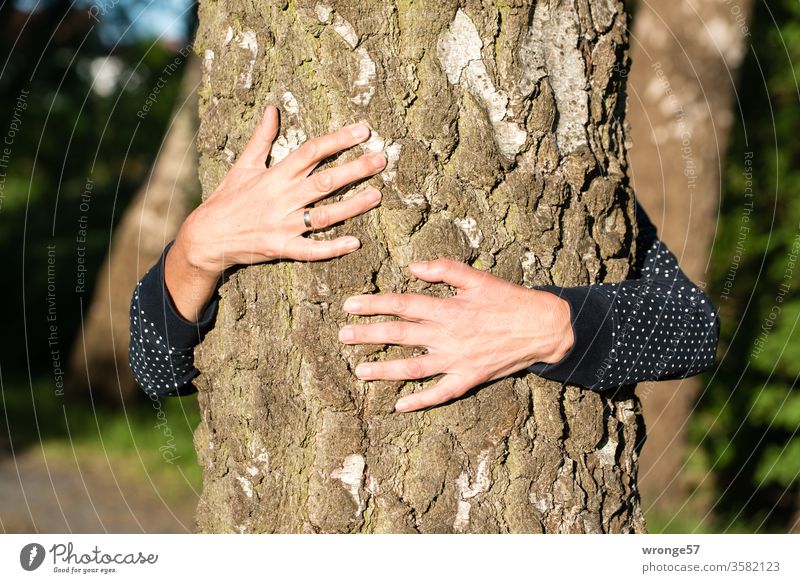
161,350
661,325
654,326
157,367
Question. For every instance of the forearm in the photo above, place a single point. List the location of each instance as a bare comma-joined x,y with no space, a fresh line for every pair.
636,330
162,340
547,319
591,324
256,214
656,325
189,286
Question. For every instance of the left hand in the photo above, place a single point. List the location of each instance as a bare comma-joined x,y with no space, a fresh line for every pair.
489,330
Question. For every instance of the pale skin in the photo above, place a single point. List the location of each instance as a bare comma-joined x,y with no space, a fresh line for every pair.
489,330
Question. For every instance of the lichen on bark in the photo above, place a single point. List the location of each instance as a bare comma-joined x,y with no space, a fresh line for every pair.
503,122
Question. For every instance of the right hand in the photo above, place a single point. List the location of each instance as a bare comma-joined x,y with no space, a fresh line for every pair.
256,213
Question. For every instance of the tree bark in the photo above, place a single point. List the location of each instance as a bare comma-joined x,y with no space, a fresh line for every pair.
503,125
99,360
686,55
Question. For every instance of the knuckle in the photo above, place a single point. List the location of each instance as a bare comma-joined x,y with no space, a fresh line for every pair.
322,181
397,331
308,150
429,400
341,139
450,394
446,263
398,304
320,217
414,368
365,167
436,265
260,133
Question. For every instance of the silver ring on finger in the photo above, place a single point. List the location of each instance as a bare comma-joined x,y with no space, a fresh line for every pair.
307,218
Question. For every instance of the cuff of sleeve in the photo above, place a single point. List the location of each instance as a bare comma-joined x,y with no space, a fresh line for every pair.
592,328
154,299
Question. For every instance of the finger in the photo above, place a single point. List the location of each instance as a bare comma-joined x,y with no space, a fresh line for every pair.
455,273
321,184
397,332
450,387
303,249
257,149
305,158
401,369
330,214
407,306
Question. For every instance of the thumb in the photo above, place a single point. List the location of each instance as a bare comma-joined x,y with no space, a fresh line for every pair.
257,149
459,275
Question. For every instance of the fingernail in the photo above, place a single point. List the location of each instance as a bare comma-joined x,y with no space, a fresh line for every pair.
372,196
352,244
378,160
345,334
352,304
402,406
359,131
420,266
363,370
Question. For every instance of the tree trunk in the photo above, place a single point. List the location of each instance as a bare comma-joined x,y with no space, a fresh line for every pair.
685,56
99,358
503,124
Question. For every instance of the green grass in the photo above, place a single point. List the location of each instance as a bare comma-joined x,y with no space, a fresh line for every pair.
146,445
691,522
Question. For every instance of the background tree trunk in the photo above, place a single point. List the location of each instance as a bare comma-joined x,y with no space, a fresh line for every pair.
503,126
685,55
99,359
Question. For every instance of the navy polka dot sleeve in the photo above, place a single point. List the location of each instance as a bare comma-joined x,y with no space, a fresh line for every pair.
656,325
161,351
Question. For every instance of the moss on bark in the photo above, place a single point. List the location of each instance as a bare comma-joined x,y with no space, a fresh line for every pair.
503,123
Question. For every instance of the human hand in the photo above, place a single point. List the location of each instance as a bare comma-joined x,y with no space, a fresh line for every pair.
490,329
256,213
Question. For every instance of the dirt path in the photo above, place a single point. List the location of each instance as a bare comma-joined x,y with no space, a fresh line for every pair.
52,493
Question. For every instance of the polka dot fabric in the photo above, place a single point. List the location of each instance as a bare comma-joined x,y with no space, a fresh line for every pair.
656,325
161,351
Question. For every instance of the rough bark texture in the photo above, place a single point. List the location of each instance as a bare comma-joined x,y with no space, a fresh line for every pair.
99,360
686,55
502,122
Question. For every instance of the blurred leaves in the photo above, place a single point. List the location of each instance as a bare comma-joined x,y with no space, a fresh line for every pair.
82,146
746,422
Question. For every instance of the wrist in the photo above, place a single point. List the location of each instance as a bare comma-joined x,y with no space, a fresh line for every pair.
190,253
558,323
188,286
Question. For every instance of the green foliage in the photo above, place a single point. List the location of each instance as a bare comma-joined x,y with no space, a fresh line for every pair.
687,521
79,152
773,405
83,141
780,464
153,446
746,421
